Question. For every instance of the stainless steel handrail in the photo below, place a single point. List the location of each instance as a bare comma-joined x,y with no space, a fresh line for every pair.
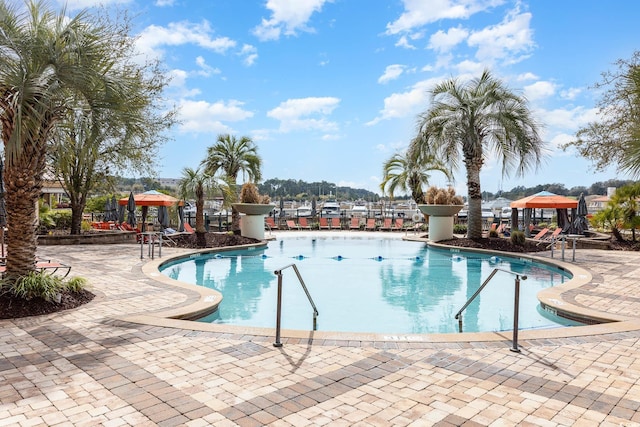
516,305
278,273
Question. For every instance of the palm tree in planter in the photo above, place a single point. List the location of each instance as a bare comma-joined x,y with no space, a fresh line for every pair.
231,156
472,120
407,172
198,184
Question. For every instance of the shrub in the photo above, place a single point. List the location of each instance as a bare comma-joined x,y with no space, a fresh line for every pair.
38,285
76,284
459,229
493,233
441,196
518,238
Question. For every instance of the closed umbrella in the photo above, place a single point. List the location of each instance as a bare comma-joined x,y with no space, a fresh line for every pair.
120,214
313,207
131,209
581,223
107,209
181,218
281,207
114,209
163,216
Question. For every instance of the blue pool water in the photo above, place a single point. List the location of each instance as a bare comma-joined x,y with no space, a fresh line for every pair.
370,285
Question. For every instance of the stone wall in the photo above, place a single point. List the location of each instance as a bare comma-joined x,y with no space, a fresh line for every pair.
102,238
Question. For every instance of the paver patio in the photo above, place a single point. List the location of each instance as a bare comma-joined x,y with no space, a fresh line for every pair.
93,366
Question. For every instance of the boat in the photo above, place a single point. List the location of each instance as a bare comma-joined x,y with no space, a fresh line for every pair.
330,209
304,211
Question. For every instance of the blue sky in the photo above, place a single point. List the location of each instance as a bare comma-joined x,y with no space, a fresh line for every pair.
329,90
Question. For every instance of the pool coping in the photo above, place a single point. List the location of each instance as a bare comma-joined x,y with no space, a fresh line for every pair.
551,298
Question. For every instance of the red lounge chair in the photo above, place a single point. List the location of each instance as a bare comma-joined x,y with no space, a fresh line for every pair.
335,223
271,223
188,228
386,226
291,225
355,224
541,234
303,223
324,224
398,225
371,224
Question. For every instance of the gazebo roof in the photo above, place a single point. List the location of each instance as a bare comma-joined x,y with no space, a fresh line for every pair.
545,199
151,198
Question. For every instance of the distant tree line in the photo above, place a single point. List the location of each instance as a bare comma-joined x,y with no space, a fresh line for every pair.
291,189
598,188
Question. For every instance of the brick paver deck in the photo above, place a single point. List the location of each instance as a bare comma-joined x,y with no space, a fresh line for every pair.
94,366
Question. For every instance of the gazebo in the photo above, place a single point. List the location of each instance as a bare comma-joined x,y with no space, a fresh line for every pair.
542,200
150,198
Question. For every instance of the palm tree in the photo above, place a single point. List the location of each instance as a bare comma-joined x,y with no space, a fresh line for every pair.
48,61
407,171
198,184
232,156
472,121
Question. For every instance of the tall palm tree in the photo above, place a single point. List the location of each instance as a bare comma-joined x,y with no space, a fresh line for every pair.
408,171
473,120
48,61
231,156
198,184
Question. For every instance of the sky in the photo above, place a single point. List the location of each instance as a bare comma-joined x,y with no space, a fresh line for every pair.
330,89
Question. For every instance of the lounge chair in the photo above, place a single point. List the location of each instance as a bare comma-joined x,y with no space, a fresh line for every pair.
335,223
553,236
355,223
46,266
399,224
291,225
371,224
188,228
271,223
324,224
541,234
303,223
387,224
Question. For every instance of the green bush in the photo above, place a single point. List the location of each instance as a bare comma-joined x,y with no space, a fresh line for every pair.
62,218
493,233
518,238
459,229
76,284
38,285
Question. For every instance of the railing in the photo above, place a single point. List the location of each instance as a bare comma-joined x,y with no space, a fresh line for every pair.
516,305
278,273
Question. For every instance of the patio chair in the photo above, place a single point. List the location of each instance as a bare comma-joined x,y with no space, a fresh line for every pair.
387,224
271,223
335,223
291,225
303,223
399,224
324,224
541,234
354,224
371,225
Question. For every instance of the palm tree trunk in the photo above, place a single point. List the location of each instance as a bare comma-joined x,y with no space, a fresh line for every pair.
23,186
474,225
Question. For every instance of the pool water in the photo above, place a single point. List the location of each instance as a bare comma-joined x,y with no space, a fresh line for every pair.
370,285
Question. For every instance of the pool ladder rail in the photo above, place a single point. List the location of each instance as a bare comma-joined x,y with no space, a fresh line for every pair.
278,273
516,304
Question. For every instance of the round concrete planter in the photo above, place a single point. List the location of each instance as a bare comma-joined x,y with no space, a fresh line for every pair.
252,223
440,220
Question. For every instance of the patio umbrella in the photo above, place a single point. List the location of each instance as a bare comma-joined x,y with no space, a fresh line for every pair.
313,207
114,208
3,207
145,211
281,207
131,208
581,224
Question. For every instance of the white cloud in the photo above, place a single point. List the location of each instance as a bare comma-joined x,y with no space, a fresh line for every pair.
85,4
539,90
508,41
445,41
287,17
205,117
561,120
406,104
305,114
154,37
468,67
526,76
162,3
205,69
419,12
571,93
392,72
404,42
250,54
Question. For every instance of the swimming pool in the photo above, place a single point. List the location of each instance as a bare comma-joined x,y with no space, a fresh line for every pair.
370,285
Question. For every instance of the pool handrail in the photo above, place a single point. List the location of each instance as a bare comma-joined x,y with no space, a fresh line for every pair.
278,273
